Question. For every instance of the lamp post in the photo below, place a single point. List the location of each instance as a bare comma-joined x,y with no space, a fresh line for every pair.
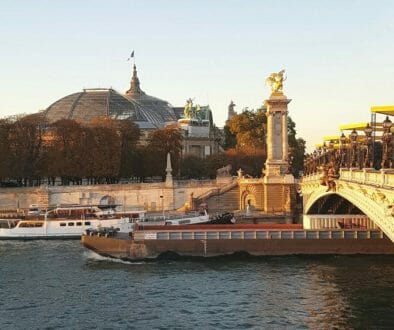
314,161
353,141
324,153
342,141
386,139
331,155
368,161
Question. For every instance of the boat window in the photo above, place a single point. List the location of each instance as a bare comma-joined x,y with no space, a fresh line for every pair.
87,223
30,224
79,223
62,224
71,223
4,224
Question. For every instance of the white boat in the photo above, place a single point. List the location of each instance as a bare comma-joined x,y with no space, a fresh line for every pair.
175,219
68,222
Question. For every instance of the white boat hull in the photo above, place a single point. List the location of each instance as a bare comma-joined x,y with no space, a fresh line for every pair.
62,228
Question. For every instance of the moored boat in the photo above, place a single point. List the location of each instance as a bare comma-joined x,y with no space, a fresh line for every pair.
66,222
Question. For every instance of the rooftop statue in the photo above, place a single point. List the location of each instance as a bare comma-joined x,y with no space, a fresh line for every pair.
275,80
195,111
188,112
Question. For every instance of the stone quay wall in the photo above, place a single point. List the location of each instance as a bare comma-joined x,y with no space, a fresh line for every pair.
136,196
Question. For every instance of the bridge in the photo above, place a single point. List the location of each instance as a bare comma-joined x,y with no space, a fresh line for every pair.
349,179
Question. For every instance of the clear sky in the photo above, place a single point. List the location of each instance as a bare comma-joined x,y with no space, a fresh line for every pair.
338,55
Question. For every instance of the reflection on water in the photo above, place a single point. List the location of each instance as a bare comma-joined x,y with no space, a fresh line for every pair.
59,284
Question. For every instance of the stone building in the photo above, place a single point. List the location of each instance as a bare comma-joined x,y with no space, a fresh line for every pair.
148,112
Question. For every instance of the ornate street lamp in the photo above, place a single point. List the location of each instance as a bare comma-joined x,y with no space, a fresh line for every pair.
353,141
386,140
319,153
315,161
324,153
368,161
331,156
342,141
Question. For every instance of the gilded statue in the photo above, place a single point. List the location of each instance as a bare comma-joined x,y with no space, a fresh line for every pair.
188,111
275,81
192,111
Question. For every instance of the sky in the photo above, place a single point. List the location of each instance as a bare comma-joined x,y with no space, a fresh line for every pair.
338,55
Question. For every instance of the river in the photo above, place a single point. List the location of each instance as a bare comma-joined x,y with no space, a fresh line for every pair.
61,285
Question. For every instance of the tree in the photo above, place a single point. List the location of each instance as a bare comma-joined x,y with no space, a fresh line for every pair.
160,142
296,148
5,150
230,139
26,148
193,167
249,128
129,135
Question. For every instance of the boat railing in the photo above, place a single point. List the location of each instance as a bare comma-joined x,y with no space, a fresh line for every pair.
150,218
227,234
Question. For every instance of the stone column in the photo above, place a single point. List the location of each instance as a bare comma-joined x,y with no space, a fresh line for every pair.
284,137
278,186
169,181
277,144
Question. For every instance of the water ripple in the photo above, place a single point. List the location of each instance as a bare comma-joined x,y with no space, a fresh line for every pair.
60,285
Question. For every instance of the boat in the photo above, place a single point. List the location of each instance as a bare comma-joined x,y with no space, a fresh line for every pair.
193,218
66,221
150,222
202,241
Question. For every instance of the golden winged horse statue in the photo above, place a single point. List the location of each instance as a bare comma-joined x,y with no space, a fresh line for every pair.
275,81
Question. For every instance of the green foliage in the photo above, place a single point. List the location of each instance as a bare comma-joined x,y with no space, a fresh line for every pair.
193,167
161,142
230,139
296,148
249,128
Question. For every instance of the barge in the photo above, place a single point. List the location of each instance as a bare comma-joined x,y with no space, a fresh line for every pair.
219,240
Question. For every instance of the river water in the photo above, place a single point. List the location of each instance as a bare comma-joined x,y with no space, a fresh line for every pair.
61,285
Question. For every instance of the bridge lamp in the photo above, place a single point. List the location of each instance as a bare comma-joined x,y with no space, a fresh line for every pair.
324,147
353,136
342,139
387,124
331,145
368,162
386,138
368,130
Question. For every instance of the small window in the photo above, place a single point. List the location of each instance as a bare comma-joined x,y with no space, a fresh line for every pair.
87,223
71,224
79,223
62,224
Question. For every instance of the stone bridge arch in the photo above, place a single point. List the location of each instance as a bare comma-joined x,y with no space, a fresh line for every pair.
375,203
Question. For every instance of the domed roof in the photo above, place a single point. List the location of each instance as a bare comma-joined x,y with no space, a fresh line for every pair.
146,111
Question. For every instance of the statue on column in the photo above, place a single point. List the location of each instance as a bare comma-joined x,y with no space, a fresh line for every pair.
231,112
275,81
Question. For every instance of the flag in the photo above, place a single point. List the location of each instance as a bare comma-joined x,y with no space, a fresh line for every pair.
131,55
